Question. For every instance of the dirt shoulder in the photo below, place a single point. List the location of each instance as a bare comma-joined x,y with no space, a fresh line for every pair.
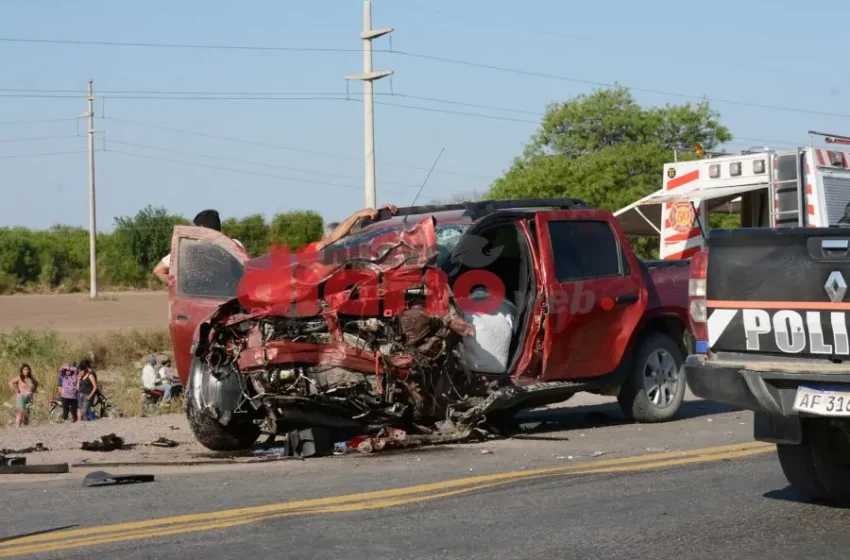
588,428
72,315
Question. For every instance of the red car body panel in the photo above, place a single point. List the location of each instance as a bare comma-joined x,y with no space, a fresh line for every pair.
562,342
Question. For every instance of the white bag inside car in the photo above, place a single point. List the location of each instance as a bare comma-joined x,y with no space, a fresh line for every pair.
487,350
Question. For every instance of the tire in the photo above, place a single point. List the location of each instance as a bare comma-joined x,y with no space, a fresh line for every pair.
111,412
658,359
239,434
55,414
819,468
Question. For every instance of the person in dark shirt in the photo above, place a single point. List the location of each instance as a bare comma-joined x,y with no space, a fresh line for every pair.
86,388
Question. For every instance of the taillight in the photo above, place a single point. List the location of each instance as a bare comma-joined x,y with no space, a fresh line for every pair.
697,311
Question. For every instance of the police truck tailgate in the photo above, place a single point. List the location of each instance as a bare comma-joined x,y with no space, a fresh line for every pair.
778,296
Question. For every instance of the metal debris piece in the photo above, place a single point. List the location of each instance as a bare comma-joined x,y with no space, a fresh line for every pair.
12,461
21,468
163,442
109,442
34,449
102,478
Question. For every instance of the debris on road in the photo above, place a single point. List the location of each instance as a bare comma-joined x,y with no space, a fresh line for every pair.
12,461
163,442
109,442
38,447
18,465
101,478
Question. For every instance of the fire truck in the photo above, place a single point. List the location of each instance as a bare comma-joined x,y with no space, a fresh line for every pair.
805,187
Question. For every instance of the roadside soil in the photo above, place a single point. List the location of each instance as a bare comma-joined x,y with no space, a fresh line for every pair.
73,315
585,427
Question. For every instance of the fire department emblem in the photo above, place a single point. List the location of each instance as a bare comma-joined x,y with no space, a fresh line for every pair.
682,216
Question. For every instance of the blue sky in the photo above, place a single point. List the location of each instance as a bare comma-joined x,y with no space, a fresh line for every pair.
777,54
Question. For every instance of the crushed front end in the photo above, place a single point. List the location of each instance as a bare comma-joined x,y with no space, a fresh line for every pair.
365,342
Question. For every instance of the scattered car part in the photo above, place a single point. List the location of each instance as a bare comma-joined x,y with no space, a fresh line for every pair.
163,442
102,478
109,442
58,468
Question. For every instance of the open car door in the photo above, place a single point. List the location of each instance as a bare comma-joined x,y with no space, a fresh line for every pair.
595,294
206,267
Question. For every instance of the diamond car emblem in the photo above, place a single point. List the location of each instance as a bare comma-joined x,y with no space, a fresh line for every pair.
835,287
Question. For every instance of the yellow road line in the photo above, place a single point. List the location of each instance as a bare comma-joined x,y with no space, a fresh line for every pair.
357,502
273,508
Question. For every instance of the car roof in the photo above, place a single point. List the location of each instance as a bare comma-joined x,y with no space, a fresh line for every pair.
442,218
464,213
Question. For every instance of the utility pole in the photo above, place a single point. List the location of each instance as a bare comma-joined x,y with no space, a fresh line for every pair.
92,219
367,77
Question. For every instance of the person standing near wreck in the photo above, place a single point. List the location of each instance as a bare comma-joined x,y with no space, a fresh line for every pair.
86,389
68,393
23,387
343,228
205,218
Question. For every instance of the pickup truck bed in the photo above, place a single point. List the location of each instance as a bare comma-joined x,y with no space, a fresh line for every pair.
775,341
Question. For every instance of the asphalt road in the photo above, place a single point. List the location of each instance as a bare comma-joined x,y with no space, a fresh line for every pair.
707,492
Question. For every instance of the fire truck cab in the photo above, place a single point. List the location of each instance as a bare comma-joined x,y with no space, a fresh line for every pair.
805,187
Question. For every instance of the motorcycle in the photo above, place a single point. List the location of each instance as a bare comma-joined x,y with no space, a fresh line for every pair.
152,398
101,407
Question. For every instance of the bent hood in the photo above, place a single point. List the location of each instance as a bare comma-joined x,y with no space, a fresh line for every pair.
351,280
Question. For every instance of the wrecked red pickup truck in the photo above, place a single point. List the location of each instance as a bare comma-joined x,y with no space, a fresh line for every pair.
373,334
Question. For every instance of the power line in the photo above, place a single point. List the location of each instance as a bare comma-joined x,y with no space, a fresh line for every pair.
33,138
21,156
260,164
611,85
257,95
171,97
234,170
280,147
441,59
175,45
536,30
447,112
38,121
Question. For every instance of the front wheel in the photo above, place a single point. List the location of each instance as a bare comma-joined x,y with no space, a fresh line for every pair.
655,387
239,433
819,468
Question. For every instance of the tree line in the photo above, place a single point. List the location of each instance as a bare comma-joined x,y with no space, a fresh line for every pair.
57,259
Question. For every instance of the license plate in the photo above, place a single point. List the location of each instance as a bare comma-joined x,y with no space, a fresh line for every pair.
823,402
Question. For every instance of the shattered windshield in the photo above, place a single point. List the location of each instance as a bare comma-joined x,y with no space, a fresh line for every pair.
447,237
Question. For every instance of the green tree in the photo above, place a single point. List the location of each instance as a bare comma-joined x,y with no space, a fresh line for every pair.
296,228
252,231
606,149
138,243
19,257
64,255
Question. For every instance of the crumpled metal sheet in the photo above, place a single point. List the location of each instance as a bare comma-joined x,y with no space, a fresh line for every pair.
283,283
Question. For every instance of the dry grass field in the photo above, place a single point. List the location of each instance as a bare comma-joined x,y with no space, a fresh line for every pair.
48,330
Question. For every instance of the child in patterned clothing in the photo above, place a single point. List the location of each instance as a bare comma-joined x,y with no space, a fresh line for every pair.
68,392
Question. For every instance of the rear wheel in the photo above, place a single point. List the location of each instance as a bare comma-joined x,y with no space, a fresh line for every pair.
239,433
655,387
819,468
